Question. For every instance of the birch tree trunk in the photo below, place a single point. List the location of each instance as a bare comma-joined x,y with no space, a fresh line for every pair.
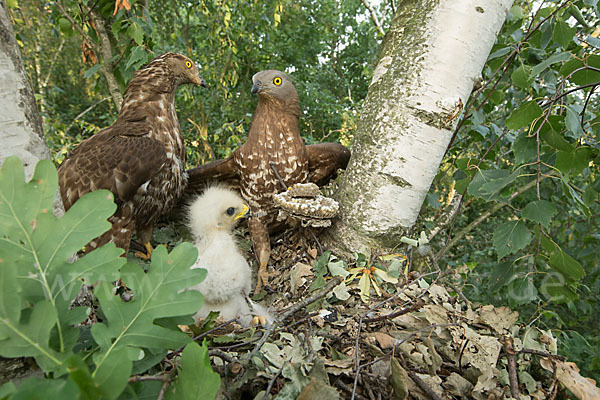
431,57
21,131
20,123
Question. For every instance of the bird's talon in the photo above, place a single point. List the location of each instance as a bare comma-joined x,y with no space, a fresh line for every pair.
259,320
148,255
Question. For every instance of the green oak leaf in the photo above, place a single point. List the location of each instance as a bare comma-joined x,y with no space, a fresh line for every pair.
159,293
196,380
35,250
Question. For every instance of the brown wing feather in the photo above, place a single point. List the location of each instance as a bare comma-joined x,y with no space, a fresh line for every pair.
324,159
108,160
224,171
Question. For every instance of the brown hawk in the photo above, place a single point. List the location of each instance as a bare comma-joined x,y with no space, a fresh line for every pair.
274,147
140,158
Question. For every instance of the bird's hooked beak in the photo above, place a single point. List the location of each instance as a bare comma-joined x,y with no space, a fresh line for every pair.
199,81
256,87
243,213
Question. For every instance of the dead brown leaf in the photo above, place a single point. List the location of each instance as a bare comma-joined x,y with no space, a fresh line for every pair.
121,4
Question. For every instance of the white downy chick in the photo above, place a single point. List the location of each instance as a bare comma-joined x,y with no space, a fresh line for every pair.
212,217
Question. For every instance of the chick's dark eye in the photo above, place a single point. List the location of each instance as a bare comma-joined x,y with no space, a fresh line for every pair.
230,211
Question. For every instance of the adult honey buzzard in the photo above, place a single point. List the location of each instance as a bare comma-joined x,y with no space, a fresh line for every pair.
140,158
274,147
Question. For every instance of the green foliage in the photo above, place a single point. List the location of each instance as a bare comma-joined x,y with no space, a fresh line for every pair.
39,280
330,62
528,152
527,148
192,383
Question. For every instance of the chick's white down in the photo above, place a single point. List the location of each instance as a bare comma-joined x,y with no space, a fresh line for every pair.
212,217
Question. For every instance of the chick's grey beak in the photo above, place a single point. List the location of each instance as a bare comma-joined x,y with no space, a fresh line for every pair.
255,89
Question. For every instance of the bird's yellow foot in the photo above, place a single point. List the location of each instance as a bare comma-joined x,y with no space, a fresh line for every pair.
259,320
148,254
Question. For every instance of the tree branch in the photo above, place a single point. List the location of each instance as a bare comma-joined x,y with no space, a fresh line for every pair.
482,218
105,49
374,17
107,68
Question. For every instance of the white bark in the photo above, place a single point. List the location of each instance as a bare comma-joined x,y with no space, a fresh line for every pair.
20,123
431,57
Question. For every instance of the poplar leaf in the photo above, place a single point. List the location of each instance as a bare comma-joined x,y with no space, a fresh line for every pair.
510,237
563,33
566,265
136,32
540,211
524,115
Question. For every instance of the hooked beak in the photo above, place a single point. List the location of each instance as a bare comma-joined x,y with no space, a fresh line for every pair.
199,81
256,87
243,213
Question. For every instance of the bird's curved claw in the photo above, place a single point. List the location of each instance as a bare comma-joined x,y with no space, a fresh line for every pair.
259,320
145,256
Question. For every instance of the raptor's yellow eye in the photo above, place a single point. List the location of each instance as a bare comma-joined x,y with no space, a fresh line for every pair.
277,81
188,64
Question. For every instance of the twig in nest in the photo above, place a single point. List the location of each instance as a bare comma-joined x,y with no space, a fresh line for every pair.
362,317
221,354
272,382
542,354
143,378
418,304
216,328
291,310
365,383
512,367
200,336
316,240
462,350
348,389
163,390
421,384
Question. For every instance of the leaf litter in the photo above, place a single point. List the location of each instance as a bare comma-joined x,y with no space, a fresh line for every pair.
403,336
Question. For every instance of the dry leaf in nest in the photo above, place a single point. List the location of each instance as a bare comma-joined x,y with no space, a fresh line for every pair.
568,374
501,319
384,340
487,383
297,274
457,385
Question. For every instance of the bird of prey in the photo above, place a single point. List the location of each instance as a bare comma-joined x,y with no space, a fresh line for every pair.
140,158
211,218
273,158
